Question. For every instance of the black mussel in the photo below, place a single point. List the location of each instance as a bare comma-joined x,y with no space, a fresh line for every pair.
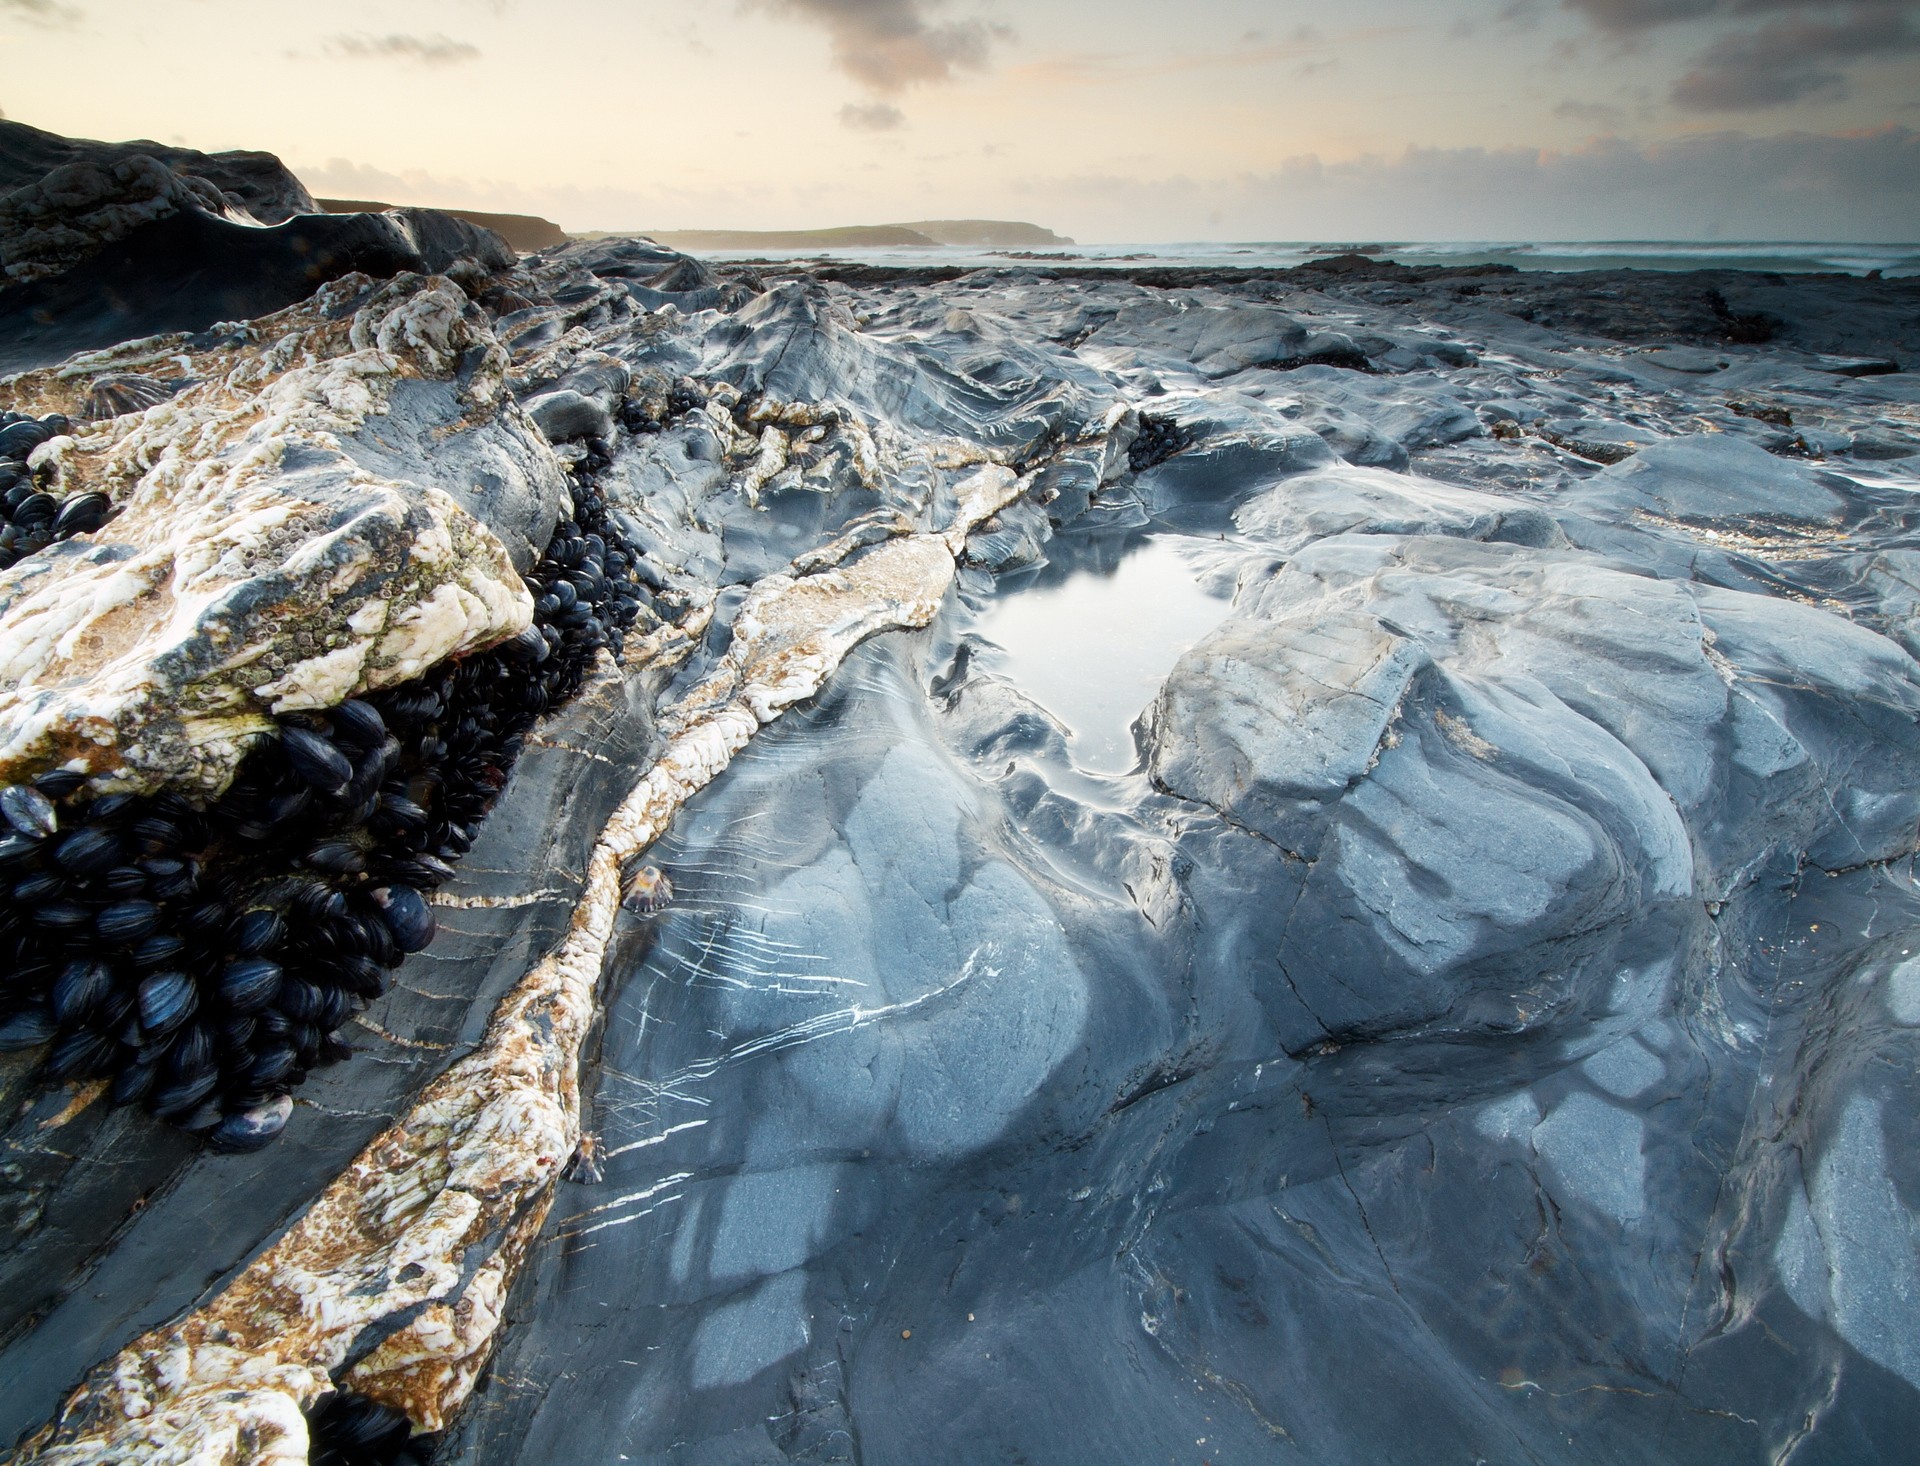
362,975
37,511
171,879
116,1009
134,1082
337,858
189,1052
349,1429
125,881
315,760
29,811
59,783
62,916
314,900
126,922
283,807
28,1029
39,888
159,950
336,1007
110,807
258,931
359,723
82,514
205,919
250,984
334,1049
175,1100
156,832
402,813
421,870
236,1032
299,999
306,1047
167,999
78,989
274,1064
83,1055
19,439
408,916
89,851
252,1128
376,939
15,848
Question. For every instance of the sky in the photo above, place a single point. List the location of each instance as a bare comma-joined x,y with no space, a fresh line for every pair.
1106,120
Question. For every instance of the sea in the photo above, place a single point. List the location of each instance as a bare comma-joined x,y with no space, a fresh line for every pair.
1809,258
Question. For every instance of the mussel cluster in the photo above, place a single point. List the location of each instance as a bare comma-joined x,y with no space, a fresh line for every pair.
29,519
1158,440
202,957
683,398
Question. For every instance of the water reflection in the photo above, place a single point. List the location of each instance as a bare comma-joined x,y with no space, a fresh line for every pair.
1093,643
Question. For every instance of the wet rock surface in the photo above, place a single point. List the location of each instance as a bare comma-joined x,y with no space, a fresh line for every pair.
1481,1022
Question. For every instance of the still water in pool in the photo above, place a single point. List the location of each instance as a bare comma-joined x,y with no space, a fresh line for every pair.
1093,645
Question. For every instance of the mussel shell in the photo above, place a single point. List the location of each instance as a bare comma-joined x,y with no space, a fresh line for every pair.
357,1428
359,723
28,1029
78,990
337,857
134,1081
362,975
158,950
167,999
38,889
250,984
408,917
252,1128
315,760
126,922
299,999
177,1099
258,931
336,1007
59,783
62,916
82,1055
126,880
82,514
274,1064
15,847
89,851
29,811
189,1053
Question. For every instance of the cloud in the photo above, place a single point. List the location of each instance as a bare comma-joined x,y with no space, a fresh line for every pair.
1767,53
49,13
1727,185
873,117
890,45
434,50
1601,114
1792,59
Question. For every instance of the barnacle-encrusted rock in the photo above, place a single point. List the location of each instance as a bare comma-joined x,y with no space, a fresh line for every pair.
327,508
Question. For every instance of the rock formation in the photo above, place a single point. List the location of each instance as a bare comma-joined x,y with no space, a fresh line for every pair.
1482,1022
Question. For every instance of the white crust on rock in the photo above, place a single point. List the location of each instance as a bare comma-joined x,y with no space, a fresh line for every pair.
253,568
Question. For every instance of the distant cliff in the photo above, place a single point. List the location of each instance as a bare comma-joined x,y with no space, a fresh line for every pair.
926,234
525,232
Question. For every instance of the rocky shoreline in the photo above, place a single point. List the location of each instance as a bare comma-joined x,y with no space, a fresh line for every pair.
1481,1021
